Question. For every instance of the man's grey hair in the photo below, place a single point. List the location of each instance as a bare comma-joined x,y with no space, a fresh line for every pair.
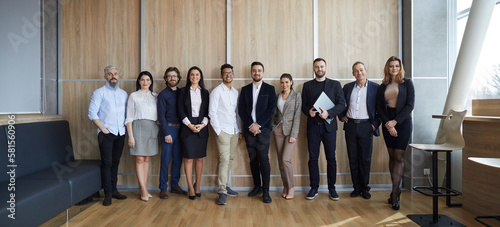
357,63
108,68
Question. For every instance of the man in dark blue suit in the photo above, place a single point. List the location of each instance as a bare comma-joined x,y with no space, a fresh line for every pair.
360,124
256,106
319,129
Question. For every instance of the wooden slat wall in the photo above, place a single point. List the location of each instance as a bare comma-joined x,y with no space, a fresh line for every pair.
480,183
184,34
351,31
95,34
278,33
486,107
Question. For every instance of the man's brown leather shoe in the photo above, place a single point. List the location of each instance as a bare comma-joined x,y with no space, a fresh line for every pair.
163,194
178,191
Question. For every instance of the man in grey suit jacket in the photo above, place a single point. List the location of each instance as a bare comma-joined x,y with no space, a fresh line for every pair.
361,122
318,129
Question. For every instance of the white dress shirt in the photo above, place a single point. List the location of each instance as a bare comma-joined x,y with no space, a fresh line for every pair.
255,93
108,105
222,110
195,105
357,104
141,106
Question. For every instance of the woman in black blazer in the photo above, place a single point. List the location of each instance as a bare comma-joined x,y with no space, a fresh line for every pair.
395,101
192,108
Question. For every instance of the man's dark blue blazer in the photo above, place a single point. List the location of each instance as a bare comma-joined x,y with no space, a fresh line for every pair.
266,103
371,103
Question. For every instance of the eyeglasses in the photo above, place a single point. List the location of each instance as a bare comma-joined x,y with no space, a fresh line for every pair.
171,76
229,73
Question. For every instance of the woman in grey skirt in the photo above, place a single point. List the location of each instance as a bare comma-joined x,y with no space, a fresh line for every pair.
142,129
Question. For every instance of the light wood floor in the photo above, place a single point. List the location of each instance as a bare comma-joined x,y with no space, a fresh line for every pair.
245,211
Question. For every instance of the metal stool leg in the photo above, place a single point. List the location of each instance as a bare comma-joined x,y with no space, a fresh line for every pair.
448,181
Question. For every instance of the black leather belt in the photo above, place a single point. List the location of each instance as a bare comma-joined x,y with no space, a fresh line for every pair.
174,125
357,121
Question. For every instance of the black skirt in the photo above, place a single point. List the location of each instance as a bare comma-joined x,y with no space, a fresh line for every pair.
404,132
192,145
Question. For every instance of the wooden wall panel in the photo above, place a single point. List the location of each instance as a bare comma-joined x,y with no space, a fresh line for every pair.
357,30
480,182
278,33
184,34
99,33
485,107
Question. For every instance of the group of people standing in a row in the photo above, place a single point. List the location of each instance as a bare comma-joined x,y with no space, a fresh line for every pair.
254,114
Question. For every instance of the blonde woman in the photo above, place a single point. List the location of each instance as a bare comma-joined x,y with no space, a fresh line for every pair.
395,101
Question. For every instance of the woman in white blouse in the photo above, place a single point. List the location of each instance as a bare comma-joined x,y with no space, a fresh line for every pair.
142,129
192,109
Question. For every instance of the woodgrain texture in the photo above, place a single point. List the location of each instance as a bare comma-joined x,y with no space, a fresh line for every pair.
486,107
28,118
480,183
99,33
186,33
178,210
278,33
357,30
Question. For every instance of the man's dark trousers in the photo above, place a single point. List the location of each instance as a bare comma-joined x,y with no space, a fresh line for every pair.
258,151
315,134
359,140
111,147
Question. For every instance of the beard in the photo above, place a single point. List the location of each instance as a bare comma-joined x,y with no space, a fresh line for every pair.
257,80
113,85
320,76
172,84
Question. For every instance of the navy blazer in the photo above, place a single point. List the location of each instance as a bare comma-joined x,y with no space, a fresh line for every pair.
184,110
371,103
266,102
404,106
334,91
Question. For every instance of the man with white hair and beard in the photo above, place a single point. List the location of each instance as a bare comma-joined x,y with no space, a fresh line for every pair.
322,126
107,111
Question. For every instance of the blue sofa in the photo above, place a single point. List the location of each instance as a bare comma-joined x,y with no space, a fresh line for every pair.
43,179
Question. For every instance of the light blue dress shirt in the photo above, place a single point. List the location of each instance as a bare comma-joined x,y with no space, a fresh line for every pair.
109,105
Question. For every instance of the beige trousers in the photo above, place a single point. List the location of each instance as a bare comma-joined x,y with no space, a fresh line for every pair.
285,152
227,145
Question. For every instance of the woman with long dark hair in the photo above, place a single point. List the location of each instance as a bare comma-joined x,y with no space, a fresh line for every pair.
142,129
192,108
395,101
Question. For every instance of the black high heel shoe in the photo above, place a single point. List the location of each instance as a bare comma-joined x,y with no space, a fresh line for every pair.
389,200
191,197
395,206
196,194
